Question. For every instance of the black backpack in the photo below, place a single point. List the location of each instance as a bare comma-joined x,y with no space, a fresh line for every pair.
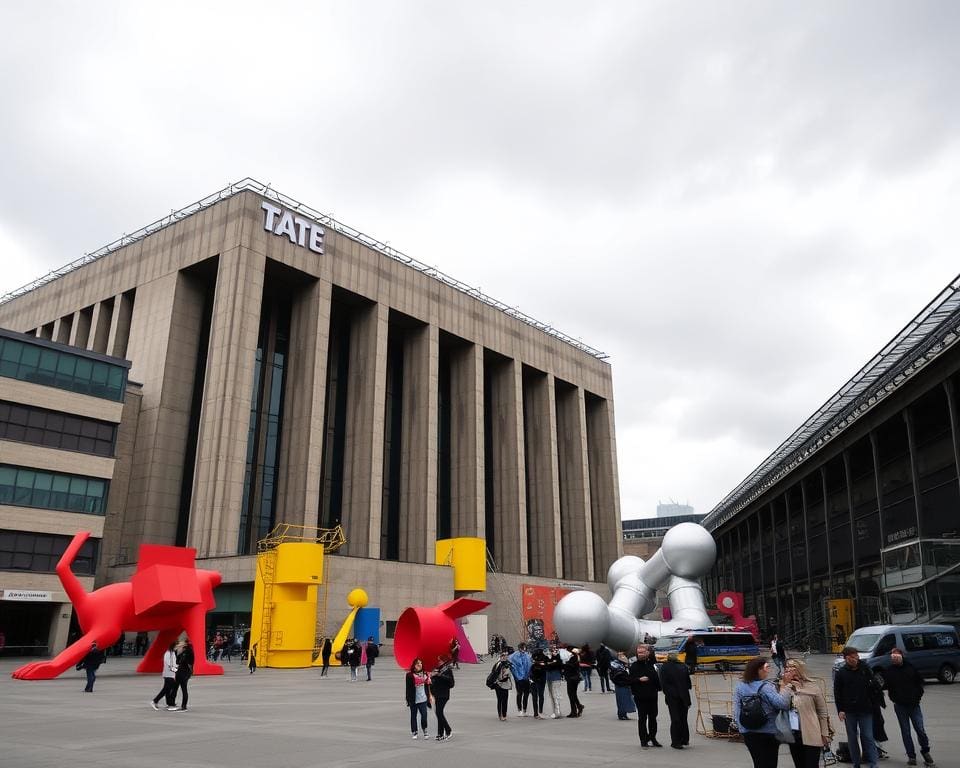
492,679
753,714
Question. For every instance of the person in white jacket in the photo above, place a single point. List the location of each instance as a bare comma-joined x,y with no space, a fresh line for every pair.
169,690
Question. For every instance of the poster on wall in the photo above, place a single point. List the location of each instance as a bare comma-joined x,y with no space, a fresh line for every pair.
840,616
538,603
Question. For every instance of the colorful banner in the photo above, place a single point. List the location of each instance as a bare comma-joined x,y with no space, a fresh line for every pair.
538,603
840,621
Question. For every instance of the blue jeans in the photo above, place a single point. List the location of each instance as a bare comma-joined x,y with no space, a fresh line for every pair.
860,728
420,707
91,678
587,674
905,716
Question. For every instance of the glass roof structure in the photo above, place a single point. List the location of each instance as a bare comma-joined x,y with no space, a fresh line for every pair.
927,336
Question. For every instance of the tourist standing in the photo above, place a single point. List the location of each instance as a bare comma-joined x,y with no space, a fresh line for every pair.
554,679
418,696
573,678
91,663
905,686
325,650
502,683
441,681
853,692
603,659
587,661
756,702
809,717
371,651
675,681
169,673
455,653
779,653
538,681
520,663
690,654
185,660
252,658
353,659
645,687
620,677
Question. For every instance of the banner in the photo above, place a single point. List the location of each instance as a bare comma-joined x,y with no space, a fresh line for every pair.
840,620
538,603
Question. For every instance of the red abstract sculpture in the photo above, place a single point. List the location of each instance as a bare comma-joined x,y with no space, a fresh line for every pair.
731,603
167,593
425,632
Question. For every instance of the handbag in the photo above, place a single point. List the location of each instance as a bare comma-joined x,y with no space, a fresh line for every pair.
784,732
827,757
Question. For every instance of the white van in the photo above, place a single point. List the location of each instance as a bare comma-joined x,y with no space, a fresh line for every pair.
933,649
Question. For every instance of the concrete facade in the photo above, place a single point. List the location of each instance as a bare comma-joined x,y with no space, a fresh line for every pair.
280,384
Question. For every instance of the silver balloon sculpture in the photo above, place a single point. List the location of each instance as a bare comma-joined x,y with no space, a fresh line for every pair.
688,551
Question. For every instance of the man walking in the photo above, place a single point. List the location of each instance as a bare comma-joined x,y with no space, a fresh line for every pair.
645,686
779,653
675,680
520,665
91,663
905,686
853,692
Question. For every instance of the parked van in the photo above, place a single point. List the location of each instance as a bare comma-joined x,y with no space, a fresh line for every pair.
717,647
933,649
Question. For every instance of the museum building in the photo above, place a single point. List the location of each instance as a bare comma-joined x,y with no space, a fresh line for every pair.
290,369
862,501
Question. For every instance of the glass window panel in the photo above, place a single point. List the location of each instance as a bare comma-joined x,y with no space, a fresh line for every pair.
21,561
86,444
30,358
10,351
84,369
69,442
105,432
71,425
19,415
88,428
55,421
66,366
36,418
33,435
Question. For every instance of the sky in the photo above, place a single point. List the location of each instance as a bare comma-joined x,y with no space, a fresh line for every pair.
738,202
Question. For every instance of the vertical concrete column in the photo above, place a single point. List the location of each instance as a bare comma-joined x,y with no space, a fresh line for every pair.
225,415
100,326
575,512
81,328
543,488
604,485
63,329
509,471
418,463
164,331
120,327
301,449
467,486
363,444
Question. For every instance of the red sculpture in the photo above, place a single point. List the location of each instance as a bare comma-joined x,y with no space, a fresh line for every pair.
167,593
731,603
425,632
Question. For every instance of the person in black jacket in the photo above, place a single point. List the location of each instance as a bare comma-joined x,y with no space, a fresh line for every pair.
185,659
675,680
572,676
905,686
325,651
603,668
91,663
371,651
854,694
645,686
441,681
419,696
538,681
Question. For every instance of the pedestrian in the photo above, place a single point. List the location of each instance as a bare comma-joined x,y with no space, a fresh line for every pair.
905,687
554,679
587,662
675,680
538,681
325,651
91,663
620,677
371,651
809,717
455,653
573,678
502,676
520,663
419,697
645,687
169,690
756,702
854,693
603,659
353,658
879,727
252,660
691,653
185,661
779,653
441,681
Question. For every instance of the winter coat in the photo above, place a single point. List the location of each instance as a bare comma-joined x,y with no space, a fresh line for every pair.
648,689
904,684
675,680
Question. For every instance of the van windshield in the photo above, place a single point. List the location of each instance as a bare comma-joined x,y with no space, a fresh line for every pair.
669,642
865,642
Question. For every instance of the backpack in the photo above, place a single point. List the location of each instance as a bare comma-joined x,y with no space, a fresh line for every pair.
753,714
492,679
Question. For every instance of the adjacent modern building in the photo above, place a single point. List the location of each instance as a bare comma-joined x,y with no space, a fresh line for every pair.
642,536
62,412
294,370
862,501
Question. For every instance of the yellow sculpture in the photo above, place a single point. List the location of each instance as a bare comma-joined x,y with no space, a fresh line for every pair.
357,599
468,558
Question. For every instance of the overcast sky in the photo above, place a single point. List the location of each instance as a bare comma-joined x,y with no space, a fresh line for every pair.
738,202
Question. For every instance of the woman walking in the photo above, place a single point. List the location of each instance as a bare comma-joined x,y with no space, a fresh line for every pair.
571,673
418,696
441,681
502,683
756,703
169,690
538,681
587,661
185,659
809,717
325,651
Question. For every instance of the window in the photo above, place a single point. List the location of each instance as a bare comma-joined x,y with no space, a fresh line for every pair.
885,645
39,426
913,641
24,551
936,640
62,369
22,487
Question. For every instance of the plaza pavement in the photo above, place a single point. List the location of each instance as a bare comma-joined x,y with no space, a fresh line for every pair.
295,719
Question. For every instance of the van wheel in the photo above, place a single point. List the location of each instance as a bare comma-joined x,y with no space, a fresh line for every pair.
947,674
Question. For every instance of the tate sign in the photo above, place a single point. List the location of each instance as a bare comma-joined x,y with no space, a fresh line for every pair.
300,231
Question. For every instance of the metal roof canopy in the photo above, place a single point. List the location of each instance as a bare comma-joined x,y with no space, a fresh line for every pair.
935,329
249,184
